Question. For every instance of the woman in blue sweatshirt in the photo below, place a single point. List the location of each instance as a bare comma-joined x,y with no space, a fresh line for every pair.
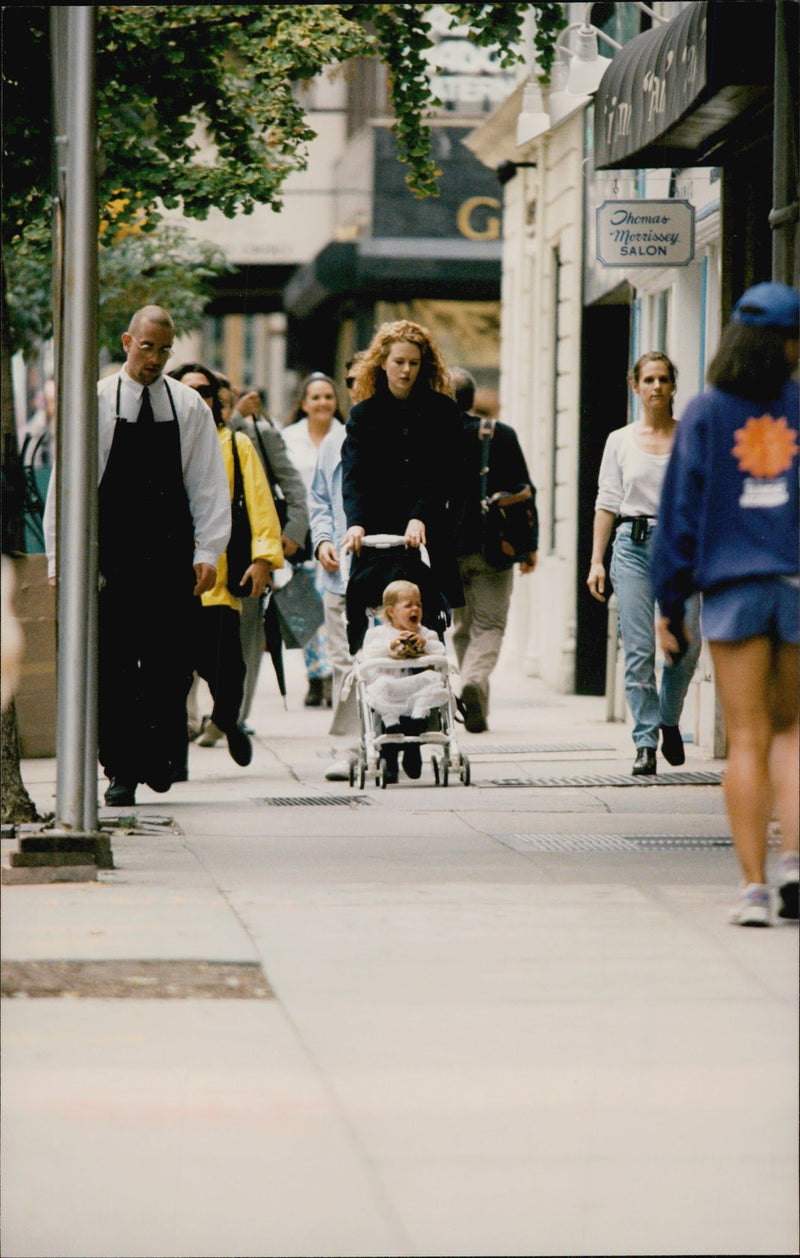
728,526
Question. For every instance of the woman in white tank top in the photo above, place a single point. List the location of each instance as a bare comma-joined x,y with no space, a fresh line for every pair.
629,490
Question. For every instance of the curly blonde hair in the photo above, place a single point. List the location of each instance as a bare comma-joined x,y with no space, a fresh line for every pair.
433,374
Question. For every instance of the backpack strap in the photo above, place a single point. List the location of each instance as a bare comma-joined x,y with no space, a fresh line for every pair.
485,432
264,457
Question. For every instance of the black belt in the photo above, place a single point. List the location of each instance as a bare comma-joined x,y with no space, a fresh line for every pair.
640,527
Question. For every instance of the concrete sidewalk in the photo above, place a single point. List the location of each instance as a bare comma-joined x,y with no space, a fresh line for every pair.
503,1019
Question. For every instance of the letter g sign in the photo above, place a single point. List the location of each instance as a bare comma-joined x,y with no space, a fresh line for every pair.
468,220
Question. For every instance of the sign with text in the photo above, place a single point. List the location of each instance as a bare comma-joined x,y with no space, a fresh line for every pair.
645,233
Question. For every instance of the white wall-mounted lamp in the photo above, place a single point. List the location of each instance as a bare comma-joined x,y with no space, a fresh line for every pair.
587,67
533,119
561,103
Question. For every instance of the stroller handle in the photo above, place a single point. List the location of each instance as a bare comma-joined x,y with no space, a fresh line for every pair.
388,541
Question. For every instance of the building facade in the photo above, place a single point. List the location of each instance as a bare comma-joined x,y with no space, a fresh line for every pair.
574,319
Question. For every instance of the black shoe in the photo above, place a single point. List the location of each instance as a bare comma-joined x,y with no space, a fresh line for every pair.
120,794
390,776
645,762
161,779
672,744
313,698
239,745
412,761
389,754
472,707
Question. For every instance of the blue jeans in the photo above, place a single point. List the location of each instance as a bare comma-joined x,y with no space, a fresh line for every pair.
315,652
630,573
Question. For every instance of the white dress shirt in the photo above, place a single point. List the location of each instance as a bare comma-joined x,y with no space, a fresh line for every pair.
204,475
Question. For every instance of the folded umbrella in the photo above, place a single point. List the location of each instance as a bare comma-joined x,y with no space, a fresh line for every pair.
273,642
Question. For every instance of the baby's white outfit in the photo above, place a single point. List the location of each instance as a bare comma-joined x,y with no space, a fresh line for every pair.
401,692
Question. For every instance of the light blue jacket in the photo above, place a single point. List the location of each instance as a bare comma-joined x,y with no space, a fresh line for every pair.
326,509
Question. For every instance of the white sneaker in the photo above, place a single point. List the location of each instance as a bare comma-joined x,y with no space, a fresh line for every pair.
210,735
339,771
752,908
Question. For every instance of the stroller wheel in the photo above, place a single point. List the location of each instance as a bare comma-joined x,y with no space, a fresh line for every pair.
362,775
464,773
445,771
352,773
436,770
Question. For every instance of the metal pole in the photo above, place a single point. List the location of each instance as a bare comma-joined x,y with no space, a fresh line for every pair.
77,485
784,216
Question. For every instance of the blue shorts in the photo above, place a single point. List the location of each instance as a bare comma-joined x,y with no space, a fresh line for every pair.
766,607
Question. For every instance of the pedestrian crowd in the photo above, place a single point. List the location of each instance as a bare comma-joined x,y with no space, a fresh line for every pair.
369,532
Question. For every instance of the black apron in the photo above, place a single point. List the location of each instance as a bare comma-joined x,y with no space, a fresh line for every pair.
146,606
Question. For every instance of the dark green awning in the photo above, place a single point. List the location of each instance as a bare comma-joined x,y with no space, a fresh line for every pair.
671,95
392,268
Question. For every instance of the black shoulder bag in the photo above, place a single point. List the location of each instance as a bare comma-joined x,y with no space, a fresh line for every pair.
239,550
507,518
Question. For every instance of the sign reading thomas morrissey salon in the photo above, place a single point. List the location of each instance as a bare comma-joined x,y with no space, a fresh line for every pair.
645,233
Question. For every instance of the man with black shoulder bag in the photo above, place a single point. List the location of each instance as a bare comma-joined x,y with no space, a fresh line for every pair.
498,529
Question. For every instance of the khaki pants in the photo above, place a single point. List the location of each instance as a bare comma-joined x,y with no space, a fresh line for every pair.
479,625
345,713
251,632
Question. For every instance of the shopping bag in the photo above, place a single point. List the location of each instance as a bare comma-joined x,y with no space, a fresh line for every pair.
300,609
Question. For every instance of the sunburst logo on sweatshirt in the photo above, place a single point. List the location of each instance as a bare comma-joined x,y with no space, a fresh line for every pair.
765,447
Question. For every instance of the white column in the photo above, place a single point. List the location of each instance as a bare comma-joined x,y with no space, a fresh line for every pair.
279,402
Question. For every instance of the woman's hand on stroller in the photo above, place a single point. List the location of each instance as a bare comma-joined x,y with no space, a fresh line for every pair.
414,534
352,539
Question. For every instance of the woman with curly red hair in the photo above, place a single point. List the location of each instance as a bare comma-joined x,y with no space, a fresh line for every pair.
400,472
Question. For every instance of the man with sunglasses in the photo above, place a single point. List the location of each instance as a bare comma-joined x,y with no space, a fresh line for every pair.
164,517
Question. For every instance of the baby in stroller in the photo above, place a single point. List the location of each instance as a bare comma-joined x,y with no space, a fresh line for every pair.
402,698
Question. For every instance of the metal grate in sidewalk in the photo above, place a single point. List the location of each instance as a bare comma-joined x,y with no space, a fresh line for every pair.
610,779
611,842
302,801
533,749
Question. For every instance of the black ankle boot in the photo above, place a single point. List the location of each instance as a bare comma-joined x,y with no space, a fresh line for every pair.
314,697
645,763
672,744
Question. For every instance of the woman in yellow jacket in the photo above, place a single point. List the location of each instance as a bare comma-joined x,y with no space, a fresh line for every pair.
218,649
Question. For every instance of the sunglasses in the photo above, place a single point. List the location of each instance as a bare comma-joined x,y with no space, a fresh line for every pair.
205,390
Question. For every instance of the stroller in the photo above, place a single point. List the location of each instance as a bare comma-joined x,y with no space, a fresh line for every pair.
392,561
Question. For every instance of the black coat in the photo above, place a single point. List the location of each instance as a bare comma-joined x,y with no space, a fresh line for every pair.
400,462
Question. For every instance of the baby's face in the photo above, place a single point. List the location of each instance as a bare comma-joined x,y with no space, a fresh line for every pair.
407,612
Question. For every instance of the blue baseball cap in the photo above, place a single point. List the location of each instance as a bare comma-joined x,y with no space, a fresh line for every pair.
769,305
